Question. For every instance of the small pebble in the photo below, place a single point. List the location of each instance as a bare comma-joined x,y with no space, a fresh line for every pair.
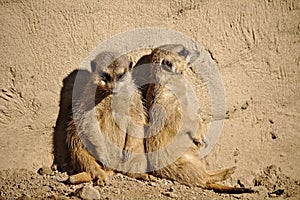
272,195
245,106
45,171
170,194
236,196
22,186
61,197
88,192
273,135
277,192
74,198
24,197
62,177
282,155
236,152
152,183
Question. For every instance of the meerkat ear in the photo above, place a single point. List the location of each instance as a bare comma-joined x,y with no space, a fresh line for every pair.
189,55
93,66
130,62
130,65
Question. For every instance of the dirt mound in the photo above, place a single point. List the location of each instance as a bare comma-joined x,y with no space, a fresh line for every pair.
277,183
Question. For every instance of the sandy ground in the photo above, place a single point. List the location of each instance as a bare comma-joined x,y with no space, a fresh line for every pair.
24,184
254,44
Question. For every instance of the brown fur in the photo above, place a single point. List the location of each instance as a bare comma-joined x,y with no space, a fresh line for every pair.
98,97
165,115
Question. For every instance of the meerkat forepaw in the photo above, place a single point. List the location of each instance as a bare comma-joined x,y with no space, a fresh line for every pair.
100,183
150,177
102,180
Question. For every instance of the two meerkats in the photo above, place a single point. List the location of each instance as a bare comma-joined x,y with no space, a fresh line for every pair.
110,130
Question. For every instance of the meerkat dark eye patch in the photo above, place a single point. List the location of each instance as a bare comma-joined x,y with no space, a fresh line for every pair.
167,63
120,76
106,77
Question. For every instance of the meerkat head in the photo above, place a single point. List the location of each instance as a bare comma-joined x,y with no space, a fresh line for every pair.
109,72
173,57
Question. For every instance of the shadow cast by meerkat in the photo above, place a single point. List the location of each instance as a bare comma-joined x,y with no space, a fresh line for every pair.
60,150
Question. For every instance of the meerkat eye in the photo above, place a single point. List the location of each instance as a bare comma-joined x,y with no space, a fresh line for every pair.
105,77
168,66
167,63
120,76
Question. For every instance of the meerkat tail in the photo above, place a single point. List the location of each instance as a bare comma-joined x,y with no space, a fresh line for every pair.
218,188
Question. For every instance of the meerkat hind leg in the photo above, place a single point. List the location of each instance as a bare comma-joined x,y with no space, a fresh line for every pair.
81,177
137,162
88,164
220,175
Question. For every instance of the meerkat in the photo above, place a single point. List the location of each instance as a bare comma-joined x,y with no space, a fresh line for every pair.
170,132
107,128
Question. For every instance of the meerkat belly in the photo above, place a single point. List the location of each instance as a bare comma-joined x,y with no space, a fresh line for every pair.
109,125
165,125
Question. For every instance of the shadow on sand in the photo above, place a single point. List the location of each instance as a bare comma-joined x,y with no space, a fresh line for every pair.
67,95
